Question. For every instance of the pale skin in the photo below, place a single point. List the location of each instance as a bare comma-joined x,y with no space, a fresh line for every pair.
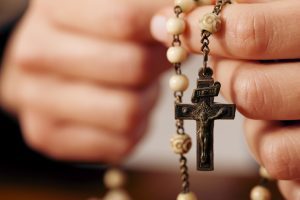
265,93
77,81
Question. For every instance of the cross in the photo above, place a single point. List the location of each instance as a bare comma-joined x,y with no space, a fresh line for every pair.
204,110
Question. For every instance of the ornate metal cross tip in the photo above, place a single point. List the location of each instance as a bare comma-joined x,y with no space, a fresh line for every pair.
204,110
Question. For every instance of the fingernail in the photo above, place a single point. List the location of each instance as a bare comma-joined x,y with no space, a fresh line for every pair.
158,28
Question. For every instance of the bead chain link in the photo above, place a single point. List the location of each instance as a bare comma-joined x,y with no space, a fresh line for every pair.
261,189
206,34
179,123
179,94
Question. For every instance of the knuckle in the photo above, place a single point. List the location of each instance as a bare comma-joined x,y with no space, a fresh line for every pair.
37,139
55,153
130,112
27,56
136,61
27,48
29,95
278,159
252,98
124,147
125,25
251,33
39,136
128,146
8,96
41,142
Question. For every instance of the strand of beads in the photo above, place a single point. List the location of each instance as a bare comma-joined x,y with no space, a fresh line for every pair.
260,192
114,180
181,142
210,24
176,54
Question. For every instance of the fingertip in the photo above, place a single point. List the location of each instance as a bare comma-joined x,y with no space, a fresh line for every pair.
158,27
158,24
289,189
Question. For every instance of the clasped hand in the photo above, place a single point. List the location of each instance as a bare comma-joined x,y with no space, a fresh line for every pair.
81,76
267,93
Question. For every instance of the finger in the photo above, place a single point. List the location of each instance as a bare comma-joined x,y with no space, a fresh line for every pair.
276,146
92,59
249,31
255,1
113,19
118,110
290,189
261,91
75,142
9,83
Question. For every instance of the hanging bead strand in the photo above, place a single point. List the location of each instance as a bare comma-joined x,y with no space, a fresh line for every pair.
176,54
210,24
261,192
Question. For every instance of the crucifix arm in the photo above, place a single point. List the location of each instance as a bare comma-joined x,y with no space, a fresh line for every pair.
218,114
184,111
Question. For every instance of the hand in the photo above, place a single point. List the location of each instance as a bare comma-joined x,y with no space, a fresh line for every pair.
81,76
267,93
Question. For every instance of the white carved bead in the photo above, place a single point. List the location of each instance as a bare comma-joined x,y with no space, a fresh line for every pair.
185,5
260,193
181,144
187,196
117,195
176,54
211,23
264,173
175,26
114,178
179,83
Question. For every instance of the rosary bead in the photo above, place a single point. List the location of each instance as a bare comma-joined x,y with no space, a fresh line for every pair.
187,196
114,178
117,195
264,173
175,26
176,54
179,83
211,23
181,144
260,193
186,5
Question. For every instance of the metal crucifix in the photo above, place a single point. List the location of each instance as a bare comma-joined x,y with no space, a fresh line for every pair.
204,110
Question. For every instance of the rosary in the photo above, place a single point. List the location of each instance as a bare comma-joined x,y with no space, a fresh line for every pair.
203,110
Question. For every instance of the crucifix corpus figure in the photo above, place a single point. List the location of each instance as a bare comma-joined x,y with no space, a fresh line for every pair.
204,110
